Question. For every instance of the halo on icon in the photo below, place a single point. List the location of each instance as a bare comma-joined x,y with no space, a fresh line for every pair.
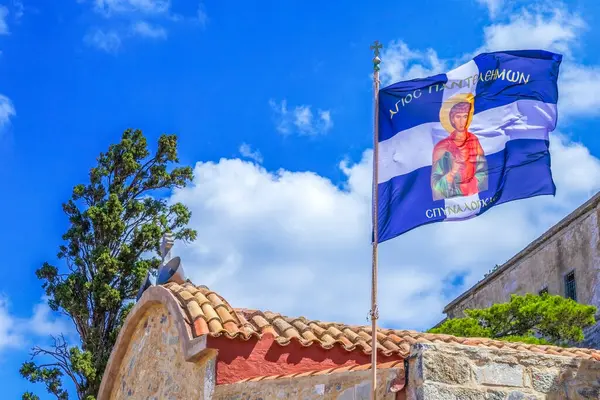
449,103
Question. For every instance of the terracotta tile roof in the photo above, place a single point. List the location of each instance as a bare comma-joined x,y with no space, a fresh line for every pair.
210,314
362,367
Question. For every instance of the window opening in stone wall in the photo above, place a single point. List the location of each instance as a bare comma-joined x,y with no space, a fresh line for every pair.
543,291
570,289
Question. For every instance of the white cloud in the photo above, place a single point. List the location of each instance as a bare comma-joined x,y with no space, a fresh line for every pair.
552,29
399,62
16,332
143,28
247,151
296,243
547,29
325,118
9,337
109,7
579,90
19,9
3,24
146,18
202,15
44,321
301,119
7,110
109,41
493,6
575,169
556,30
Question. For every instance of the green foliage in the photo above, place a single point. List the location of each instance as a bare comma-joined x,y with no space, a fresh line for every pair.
112,241
532,319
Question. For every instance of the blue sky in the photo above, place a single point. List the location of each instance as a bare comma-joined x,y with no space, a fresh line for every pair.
272,105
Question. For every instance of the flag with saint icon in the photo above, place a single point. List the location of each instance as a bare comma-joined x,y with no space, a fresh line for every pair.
452,146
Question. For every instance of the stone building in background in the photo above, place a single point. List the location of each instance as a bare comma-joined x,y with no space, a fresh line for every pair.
182,341
565,261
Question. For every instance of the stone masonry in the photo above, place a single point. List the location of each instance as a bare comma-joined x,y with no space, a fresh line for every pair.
455,372
154,368
571,245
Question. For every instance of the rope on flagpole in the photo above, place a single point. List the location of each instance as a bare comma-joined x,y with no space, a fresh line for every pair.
374,313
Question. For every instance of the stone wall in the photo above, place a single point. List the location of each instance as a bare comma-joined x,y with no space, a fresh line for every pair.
573,244
454,372
154,367
592,335
353,385
575,247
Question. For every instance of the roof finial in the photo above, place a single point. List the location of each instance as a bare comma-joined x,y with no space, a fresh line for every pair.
170,269
166,245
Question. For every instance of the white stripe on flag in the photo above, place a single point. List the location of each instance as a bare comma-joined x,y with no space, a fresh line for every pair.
412,148
462,207
458,76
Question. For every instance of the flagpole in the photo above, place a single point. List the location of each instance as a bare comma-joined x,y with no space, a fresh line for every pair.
374,313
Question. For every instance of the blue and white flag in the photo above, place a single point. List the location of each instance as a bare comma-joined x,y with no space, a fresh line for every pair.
453,145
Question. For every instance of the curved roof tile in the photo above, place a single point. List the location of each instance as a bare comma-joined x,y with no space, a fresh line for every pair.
211,314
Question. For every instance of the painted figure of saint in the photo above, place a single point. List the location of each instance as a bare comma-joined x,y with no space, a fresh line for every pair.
459,166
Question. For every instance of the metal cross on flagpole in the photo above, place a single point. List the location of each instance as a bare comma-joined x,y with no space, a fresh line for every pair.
374,313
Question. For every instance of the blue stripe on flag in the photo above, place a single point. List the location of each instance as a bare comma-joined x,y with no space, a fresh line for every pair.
528,74
528,172
522,170
403,203
396,99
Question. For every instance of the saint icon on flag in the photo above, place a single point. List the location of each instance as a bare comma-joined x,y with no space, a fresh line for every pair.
459,166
